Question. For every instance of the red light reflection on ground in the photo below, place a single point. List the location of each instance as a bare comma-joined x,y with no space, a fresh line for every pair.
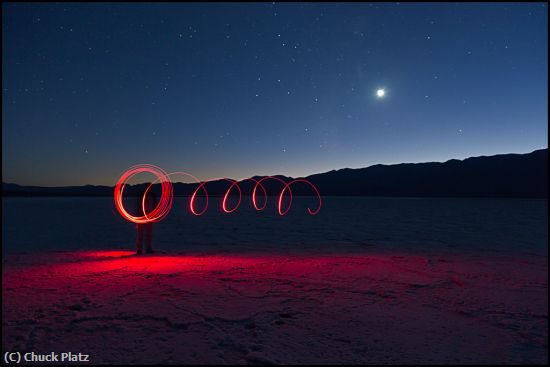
236,308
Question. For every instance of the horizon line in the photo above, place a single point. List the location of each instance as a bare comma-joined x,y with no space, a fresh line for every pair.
318,173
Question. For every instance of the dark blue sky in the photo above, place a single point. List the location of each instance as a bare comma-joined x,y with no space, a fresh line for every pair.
242,89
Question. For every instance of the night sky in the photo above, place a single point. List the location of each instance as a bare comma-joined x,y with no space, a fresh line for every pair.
236,90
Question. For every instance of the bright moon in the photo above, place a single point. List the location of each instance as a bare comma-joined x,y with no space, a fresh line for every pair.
380,93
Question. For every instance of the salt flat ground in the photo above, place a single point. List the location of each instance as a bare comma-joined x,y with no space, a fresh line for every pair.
365,281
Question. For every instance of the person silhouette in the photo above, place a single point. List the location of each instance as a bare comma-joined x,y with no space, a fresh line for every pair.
145,230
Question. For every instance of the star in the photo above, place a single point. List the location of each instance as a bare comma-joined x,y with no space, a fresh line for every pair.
380,93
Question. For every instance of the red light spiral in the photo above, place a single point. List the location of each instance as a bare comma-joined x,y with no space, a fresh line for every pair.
165,203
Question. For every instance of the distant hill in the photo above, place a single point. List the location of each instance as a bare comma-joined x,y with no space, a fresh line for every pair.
503,175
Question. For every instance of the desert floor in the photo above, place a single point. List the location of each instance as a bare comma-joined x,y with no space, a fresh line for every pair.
277,308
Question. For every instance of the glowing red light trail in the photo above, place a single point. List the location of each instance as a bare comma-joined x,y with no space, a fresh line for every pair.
167,194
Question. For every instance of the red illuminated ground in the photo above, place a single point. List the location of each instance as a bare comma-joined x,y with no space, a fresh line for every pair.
177,308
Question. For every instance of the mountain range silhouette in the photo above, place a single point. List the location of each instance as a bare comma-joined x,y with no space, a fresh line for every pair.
503,175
